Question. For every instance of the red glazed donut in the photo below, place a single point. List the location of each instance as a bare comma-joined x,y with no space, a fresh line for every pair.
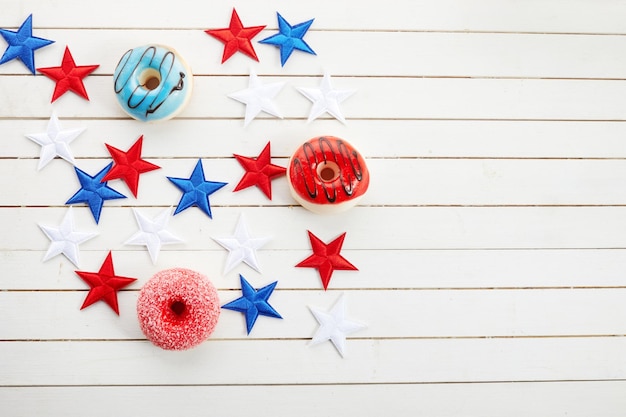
327,175
178,308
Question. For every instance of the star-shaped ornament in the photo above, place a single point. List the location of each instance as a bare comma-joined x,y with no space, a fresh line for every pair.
236,37
69,76
326,258
242,247
22,44
65,239
55,142
334,325
325,99
258,97
128,165
259,171
253,303
152,233
196,190
93,191
289,38
104,284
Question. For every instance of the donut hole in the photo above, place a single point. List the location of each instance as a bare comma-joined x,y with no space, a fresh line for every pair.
150,79
179,308
328,171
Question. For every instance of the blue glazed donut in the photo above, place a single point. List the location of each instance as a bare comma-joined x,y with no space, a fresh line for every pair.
152,82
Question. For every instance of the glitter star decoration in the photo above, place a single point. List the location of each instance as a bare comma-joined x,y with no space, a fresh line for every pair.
242,247
129,165
259,171
69,76
104,284
258,97
196,190
236,37
65,239
22,44
334,325
326,258
55,142
153,233
93,191
253,302
325,99
289,38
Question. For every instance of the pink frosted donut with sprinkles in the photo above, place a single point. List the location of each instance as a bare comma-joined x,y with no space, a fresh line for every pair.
178,309
327,175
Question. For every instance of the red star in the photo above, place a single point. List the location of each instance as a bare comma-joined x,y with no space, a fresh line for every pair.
236,37
104,284
259,171
68,76
326,258
128,165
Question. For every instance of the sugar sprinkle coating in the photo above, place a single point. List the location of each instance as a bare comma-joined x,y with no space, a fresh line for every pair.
178,309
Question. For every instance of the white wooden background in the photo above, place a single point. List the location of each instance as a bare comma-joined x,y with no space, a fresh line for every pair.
491,244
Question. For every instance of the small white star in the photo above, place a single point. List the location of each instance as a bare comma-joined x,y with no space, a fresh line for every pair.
242,247
65,239
334,326
55,142
325,99
152,233
258,97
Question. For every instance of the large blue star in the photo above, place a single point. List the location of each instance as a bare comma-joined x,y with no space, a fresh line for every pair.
93,191
253,302
196,190
22,44
289,38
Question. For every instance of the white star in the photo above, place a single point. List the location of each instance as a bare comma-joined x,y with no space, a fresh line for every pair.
55,142
258,97
242,247
65,239
334,326
325,99
152,233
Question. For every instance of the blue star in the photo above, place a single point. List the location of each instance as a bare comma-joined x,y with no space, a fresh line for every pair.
289,38
196,190
253,302
93,191
22,44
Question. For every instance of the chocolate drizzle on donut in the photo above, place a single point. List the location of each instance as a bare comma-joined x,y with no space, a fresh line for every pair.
309,152
329,188
177,87
140,93
323,150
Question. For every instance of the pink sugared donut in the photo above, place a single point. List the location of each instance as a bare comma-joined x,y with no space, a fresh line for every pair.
178,309
327,175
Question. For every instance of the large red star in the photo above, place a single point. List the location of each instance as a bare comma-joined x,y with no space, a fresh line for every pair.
104,284
326,258
128,165
68,76
259,171
236,37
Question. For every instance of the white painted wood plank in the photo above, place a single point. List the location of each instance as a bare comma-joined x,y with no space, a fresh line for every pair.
379,138
445,269
374,228
289,362
574,399
388,314
543,16
423,54
377,98
456,275
393,182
